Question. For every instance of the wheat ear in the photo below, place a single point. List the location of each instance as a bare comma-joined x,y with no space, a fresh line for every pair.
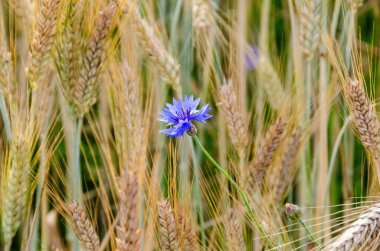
134,122
236,124
201,14
128,233
362,233
43,39
70,44
354,5
83,227
287,171
264,155
6,70
156,51
364,118
188,237
85,92
234,229
169,237
310,19
270,82
16,188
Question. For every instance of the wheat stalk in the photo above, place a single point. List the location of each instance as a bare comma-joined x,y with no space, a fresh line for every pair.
264,155
310,19
43,39
16,188
364,232
235,238
169,237
236,124
83,227
128,233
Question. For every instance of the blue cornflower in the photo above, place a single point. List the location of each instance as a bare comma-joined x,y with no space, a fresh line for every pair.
252,57
180,114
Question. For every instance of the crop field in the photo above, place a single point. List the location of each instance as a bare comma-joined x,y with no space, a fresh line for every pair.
189,125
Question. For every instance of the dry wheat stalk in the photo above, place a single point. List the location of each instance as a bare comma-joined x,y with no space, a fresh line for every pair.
310,19
234,229
169,237
201,14
43,38
288,161
83,227
156,51
364,116
236,124
128,233
364,232
16,188
264,155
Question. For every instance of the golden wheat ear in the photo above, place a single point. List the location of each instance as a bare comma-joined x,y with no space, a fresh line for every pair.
364,118
82,227
16,188
363,234
43,39
154,48
264,155
236,124
128,232
287,172
168,232
234,230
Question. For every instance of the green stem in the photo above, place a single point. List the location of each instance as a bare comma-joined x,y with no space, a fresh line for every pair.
240,191
8,246
75,170
309,233
76,177
198,195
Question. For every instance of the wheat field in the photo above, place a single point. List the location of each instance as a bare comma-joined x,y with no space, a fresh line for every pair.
189,125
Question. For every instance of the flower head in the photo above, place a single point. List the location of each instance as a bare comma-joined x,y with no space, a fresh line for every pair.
293,211
252,58
180,114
